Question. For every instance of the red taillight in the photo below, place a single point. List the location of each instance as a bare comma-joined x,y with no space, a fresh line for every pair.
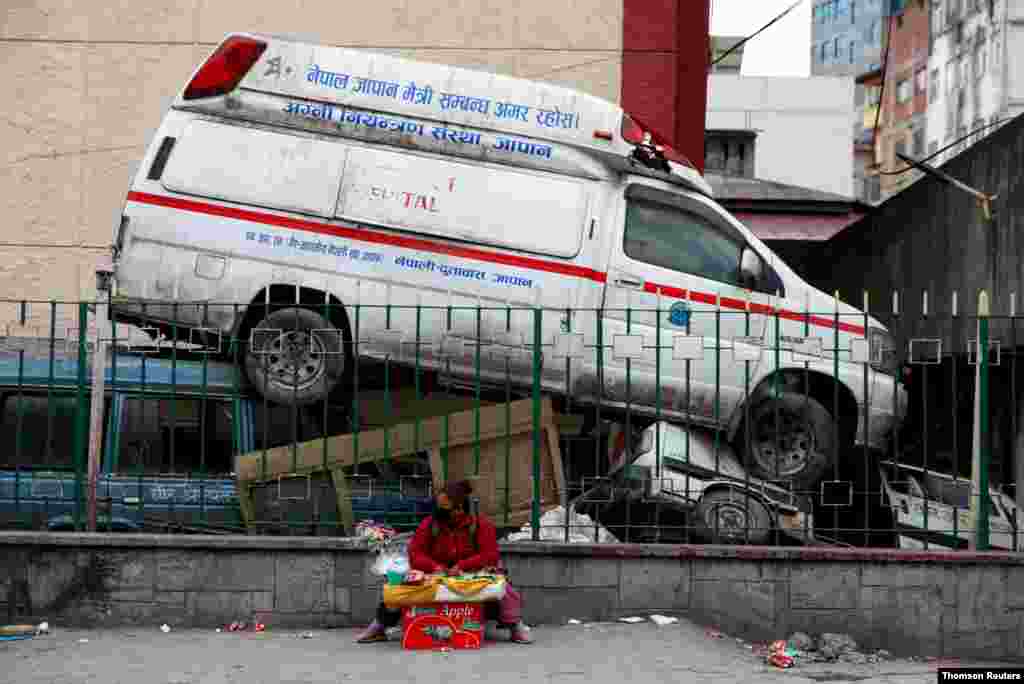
225,68
634,131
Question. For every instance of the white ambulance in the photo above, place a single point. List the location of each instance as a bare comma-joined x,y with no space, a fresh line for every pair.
313,201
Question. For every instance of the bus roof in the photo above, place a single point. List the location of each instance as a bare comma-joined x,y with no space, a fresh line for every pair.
139,372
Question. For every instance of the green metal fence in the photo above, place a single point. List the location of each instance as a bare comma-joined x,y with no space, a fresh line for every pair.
690,423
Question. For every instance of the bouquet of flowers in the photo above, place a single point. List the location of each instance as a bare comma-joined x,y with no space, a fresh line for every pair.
377,535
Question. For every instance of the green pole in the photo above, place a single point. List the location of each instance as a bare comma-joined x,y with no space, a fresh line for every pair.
81,414
983,460
535,504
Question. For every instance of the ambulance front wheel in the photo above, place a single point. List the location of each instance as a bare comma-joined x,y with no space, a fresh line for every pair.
791,438
296,357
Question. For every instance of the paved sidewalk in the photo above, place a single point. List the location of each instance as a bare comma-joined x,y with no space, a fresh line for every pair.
599,653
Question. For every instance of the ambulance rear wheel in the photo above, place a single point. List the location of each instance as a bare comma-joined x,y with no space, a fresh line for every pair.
296,357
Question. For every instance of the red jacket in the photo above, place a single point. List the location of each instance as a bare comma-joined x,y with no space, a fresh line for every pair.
452,546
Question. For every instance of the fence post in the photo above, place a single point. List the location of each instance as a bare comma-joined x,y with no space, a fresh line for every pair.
980,459
78,444
535,503
99,359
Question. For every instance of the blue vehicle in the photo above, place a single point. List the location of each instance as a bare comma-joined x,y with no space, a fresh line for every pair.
172,430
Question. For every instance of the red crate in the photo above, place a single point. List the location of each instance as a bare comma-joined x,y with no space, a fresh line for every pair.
443,625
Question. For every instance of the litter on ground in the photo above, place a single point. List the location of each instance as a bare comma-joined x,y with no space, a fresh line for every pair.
574,622
662,620
631,620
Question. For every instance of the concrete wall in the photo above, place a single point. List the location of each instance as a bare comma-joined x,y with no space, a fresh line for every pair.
958,604
992,87
88,83
803,126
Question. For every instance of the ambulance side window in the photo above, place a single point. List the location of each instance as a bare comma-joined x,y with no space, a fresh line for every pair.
670,237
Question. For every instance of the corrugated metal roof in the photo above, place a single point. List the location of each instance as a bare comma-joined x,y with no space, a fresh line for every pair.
727,188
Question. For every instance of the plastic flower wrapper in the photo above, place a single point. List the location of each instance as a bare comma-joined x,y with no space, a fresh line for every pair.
377,535
390,561
391,549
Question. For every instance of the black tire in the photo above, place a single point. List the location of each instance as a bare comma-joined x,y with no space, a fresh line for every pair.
798,448
284,368
726,516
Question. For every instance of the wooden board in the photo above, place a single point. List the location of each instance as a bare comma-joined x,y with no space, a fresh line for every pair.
504,433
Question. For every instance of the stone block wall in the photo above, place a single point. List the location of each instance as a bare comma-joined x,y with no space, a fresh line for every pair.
912,603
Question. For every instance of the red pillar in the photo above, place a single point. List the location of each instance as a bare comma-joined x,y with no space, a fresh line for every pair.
665,48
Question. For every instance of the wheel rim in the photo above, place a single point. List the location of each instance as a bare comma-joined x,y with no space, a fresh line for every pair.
294,360
729,520
783,449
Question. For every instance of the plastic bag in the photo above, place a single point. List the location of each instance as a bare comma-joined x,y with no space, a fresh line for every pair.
391,561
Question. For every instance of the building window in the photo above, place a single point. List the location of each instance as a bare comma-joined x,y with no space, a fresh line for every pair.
921,81
852,44
918,142
823,45
853,11
729,155
935,87
952,11
933,147
951,77
903,91
835,47
936,17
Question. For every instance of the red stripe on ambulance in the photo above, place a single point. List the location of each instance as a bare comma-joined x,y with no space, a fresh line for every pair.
505,259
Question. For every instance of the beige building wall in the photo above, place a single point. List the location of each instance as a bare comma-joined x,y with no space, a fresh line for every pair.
87,83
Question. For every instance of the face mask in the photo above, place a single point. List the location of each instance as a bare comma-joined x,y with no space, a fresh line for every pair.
442,514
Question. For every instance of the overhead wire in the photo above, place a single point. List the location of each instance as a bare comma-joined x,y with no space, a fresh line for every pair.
936,153
881,92
753,35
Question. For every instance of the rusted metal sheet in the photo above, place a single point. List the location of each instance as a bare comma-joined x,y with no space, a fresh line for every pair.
933,238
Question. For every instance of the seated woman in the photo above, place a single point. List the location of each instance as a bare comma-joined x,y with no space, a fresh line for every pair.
452,541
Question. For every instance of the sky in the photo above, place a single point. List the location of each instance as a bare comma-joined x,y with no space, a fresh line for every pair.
782,50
